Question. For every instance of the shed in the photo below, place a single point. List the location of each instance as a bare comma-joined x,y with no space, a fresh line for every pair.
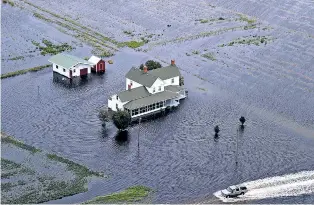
70,66
98,64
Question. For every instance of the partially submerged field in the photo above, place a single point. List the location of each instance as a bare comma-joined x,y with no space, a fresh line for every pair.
30,176
249,63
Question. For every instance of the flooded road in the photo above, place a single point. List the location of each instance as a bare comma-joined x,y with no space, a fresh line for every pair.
271,85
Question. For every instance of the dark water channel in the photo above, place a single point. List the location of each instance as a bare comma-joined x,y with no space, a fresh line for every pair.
178,156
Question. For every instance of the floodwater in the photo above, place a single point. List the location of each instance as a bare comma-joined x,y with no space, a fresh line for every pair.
178,156
271,85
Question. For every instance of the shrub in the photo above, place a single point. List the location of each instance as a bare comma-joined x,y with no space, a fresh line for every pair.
121,119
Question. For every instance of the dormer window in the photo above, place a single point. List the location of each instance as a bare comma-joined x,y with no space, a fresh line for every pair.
172,80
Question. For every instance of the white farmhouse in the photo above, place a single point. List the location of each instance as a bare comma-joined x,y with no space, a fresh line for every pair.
148,92
70,66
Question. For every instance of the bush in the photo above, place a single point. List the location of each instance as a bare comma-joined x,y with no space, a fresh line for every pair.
151,65
103,116
121,119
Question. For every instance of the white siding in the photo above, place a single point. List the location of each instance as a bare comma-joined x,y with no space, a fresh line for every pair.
134,84
66,72
176,81
78,67
156,85
61,70
113,102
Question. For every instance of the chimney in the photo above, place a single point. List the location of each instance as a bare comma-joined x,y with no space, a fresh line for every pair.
173,62
145,69
129,86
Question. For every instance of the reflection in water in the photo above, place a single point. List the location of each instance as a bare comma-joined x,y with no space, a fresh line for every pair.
70,83
122,137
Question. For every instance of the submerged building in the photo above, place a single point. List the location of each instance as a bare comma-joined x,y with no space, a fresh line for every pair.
149,92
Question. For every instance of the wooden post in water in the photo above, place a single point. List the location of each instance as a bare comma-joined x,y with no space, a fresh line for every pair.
237,147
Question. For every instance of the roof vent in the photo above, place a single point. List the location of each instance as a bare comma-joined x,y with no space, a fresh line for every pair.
173,62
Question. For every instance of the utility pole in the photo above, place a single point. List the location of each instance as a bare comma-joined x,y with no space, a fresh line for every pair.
237,147
138,135
38,89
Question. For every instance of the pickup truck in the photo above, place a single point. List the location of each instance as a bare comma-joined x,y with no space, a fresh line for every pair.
234,191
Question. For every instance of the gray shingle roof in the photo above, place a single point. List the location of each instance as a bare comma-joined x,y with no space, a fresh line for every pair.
166,72
67,61
165,95
140,77
174,88
133,94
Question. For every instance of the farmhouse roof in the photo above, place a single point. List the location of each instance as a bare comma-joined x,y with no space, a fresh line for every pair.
140,77
67,61
94,60
133,94
165,73
158,97
173,88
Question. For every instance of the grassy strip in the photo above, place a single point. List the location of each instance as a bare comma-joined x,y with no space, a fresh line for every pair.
255,40
206,34
131,194
37,15
20,72
19,144
247,19
8,164
209,56
16,58
8,1
53,190
80,170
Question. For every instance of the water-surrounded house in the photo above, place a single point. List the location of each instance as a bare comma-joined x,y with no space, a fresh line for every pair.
70,66
98,64
149,92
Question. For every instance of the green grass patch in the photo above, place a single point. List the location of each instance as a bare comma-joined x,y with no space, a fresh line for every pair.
245,18
16,58
21,72
127,32
80,170
195,52
50,48
7,186
203,89
132,44
37,15
19,144
8,1
255,40
204,21
129,195
209,56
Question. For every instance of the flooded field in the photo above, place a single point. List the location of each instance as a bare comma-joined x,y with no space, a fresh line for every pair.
229,71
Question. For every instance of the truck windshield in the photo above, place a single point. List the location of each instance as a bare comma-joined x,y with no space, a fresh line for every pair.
229,189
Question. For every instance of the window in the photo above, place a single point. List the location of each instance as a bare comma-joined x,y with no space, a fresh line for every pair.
56,66
117,97
172,80
159,88
154,89
117,106
74,70
135,112
63,70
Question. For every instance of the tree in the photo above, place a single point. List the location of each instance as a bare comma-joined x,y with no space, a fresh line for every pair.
151,65
103,115
216,129
242,120
121,119
181,80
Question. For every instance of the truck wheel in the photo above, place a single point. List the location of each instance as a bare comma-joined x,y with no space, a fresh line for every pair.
227,196
242,193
